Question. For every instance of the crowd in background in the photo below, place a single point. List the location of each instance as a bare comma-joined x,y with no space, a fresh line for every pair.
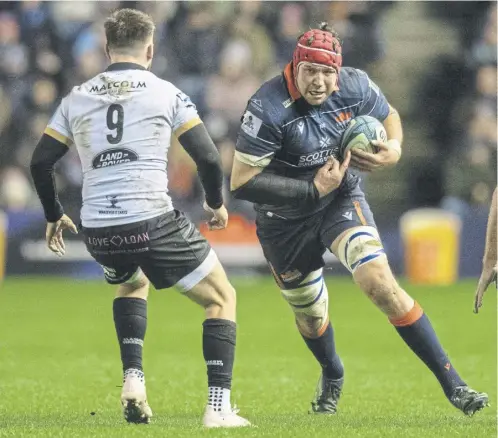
463,88
219,53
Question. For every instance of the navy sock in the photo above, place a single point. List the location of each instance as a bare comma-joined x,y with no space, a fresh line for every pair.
218,346
416,330
323,348
130,320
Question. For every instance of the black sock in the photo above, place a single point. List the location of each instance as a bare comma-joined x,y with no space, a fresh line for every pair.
323,348
218,346
130,320
422,339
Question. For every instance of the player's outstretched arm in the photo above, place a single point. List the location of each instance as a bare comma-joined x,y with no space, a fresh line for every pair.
47,152
488,273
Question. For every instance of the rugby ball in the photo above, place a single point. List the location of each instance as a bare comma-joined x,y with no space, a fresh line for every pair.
360,132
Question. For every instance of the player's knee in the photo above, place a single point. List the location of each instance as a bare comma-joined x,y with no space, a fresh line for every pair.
377,282
222,297
309,301
358,247
136,287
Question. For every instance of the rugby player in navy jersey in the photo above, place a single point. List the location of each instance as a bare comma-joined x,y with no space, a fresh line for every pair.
288,163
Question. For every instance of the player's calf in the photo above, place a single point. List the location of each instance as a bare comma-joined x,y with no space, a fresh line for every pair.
309,302
215,293
130,320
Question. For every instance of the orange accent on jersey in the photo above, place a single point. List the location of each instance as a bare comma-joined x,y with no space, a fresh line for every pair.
343,116
408,318
357,207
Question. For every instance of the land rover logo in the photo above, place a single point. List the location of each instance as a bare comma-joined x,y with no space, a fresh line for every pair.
111,157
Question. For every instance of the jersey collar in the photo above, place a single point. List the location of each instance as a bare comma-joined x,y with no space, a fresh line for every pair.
125,66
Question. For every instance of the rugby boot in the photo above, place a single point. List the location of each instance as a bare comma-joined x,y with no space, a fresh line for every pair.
327,395
134,398
468,400
229,418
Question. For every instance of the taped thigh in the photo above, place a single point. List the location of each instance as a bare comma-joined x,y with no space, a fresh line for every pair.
359,246
310,297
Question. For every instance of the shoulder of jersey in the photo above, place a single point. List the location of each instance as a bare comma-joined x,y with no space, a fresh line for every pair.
272,100
351,81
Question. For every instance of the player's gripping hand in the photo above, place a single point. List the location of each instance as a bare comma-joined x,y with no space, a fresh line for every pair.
219,221
329,176
54,231
388,154
488,275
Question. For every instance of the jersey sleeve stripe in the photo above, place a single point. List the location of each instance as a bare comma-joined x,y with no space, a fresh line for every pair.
188,125
253,160
58,136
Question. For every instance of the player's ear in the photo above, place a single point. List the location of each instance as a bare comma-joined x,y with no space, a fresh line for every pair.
107,51
150,51
336,85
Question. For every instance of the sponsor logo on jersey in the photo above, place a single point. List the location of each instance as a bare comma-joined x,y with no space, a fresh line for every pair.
185,99
287,103
111,157
129,85
251,124
316,158
113,207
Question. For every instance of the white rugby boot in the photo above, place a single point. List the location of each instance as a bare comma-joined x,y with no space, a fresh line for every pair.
227,418
134,398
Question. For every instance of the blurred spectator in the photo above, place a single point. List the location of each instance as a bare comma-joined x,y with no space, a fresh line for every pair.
471,170
15,190
228,91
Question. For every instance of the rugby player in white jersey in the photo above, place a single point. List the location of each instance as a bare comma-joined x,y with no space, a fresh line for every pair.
121,122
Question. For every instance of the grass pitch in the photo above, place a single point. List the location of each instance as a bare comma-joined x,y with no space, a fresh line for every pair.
59,363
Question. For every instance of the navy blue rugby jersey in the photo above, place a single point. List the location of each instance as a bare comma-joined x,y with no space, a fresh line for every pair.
287,136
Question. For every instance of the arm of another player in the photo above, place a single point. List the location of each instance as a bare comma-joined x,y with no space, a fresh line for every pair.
50,149
196,141
488,273
389,152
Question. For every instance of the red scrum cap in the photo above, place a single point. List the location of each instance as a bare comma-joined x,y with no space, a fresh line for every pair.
320,46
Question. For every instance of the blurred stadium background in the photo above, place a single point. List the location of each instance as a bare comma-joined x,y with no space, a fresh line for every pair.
435,61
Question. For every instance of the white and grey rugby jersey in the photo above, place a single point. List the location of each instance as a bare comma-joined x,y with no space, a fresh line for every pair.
121,123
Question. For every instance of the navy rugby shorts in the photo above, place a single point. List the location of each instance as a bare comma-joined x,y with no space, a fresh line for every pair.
295,247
